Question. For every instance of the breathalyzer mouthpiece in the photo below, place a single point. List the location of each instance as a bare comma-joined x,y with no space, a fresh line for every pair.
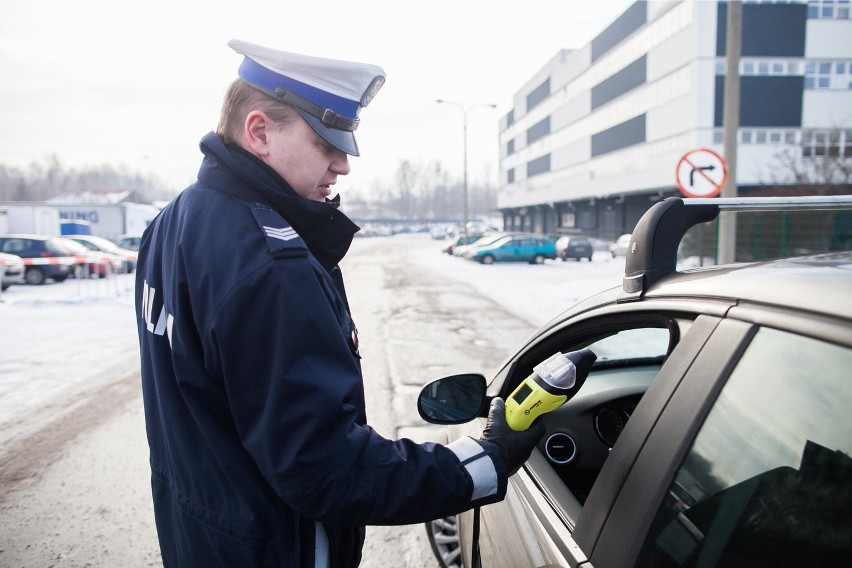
560,370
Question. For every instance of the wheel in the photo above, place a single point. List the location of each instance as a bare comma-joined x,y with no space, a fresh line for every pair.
537,259
444,538
34,276
578,259
487,259
590,259
4,287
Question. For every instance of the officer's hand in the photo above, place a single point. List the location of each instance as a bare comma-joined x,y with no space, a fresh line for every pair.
515,447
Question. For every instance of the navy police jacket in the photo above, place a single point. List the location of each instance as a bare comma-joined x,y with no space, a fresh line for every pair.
254,401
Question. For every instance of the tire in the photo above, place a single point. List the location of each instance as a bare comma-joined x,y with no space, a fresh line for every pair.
34,276
579,258
487,259
590,259
444,538
537,259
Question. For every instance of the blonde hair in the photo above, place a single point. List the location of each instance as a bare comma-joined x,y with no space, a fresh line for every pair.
240,100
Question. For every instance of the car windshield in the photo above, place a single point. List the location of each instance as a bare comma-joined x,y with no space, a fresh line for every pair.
101,244
631,346
68,246
487,240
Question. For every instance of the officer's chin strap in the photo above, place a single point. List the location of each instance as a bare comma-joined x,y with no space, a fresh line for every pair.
475,559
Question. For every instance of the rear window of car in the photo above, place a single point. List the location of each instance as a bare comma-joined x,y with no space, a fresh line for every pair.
13,246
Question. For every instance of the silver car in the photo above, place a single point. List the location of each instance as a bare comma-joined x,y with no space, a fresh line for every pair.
11,269
619,247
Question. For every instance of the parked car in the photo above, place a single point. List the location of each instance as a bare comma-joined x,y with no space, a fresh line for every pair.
92,263
44,257
619,247
92,242
574,247
11,269
460,241
713,430
516,248
465,251
129,241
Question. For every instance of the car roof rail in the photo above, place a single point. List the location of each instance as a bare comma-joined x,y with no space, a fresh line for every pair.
652,253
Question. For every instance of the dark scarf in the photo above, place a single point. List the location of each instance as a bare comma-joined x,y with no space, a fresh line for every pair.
326,231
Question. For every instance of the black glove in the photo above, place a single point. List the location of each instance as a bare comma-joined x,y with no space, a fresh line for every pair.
515,447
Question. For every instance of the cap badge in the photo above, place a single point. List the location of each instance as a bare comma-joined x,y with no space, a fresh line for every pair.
371,91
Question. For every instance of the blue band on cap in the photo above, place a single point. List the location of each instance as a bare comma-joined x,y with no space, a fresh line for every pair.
255,74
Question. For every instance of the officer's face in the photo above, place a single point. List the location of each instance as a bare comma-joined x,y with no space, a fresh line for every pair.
307,162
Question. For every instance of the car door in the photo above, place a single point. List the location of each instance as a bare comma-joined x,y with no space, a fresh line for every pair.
547,499
508,250
749,462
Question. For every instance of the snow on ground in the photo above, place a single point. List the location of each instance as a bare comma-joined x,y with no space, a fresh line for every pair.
61,337
536,293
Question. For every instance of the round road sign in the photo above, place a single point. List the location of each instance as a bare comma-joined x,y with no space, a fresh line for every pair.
701,173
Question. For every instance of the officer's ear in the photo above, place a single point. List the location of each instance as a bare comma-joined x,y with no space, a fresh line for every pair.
257,127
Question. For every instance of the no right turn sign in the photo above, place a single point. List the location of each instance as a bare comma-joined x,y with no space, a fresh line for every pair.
701,173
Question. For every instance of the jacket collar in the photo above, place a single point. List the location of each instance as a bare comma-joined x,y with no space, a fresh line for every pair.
326,231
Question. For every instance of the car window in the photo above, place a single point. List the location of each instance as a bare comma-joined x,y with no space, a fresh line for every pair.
66,246
103,244
14,246
631,346
630,351
766,482
90,246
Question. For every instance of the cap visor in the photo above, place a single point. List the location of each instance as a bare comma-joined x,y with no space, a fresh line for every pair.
340,139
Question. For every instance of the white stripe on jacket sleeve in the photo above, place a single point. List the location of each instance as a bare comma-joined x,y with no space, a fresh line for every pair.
478,464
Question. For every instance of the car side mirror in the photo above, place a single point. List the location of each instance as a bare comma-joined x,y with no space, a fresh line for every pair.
452,400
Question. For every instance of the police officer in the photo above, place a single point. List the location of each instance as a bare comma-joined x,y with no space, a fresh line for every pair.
260,450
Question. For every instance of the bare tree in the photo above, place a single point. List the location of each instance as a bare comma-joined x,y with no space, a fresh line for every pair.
793,167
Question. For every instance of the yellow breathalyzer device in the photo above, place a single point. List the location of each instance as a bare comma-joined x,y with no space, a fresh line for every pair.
550,385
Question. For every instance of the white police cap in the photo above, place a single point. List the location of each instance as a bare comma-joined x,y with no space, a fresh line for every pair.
328,93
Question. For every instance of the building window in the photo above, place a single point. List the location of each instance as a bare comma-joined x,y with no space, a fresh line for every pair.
510,175
539,130
773,67
833,143
773,136
829,9
510,147
828,75
538,166
510,118
538,94
620,136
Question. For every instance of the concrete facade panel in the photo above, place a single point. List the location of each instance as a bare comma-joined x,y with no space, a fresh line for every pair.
827,109
828,39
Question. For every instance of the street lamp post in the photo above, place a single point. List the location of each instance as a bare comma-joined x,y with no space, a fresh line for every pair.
465,110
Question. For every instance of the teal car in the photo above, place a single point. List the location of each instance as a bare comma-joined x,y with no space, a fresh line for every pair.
516,248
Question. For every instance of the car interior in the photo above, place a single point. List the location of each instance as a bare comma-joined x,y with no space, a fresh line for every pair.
581,433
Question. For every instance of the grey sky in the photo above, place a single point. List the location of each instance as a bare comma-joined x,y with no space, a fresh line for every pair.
139,83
